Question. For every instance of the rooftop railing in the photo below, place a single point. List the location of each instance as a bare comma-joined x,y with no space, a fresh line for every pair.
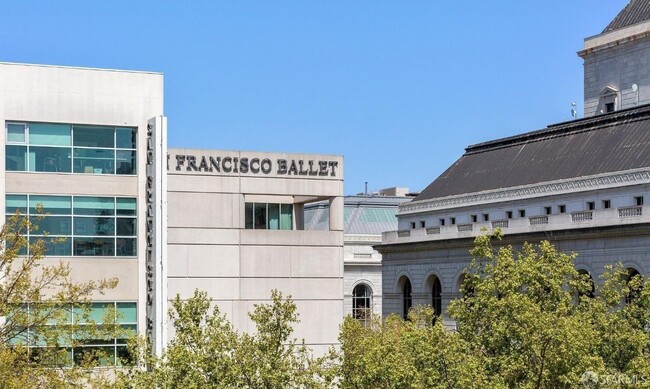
582,216
626,212
538,220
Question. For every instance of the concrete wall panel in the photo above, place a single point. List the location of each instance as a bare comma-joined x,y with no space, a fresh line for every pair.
202,210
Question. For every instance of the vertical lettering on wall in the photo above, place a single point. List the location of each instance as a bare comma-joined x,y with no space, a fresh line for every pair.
156,230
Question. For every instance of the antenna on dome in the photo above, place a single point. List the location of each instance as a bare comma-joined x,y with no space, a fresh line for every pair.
574,112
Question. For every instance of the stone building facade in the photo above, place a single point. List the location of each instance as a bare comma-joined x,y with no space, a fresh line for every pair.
583,185
617,62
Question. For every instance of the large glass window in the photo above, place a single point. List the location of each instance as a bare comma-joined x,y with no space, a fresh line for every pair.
79,225
362,303
407,298
50,147
436,297
79,342
268,216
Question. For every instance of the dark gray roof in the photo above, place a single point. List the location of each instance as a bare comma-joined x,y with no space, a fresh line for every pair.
636,11
367,215
602,144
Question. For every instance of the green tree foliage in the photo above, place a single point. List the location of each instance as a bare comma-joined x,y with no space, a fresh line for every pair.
37,300
407,354
206,351
525,320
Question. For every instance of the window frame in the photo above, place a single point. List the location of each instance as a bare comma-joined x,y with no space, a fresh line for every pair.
71,149
250,220
436,298
75,321
362,314
407,298
72,236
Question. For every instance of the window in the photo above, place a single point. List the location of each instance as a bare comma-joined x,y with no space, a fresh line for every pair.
452,220
522,213
638,200
474,218
591,205
412,225
113,351
635,291
608,100
607,204
561,208
407,298
508,214
79,225
66,148
486,217
422,224
362,303
547,210
442,222
591,292
263,216
436,296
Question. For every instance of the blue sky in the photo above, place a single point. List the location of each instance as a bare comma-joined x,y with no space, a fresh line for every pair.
399,88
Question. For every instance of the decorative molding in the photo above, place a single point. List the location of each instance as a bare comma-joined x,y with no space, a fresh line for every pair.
603,181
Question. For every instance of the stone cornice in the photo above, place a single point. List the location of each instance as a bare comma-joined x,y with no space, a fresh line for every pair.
362,238
615,38
601,181
614,231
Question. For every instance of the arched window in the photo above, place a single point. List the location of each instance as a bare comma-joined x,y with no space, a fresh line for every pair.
436,296
465,290
591,293
634,292
362,303
407,297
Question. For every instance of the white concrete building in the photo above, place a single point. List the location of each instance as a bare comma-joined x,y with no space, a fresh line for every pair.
72,140
236,230
90,146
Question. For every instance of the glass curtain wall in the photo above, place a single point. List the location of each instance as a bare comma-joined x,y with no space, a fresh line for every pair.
66,148
79,225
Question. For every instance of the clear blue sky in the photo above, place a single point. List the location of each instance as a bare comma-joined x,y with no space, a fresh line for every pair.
399,88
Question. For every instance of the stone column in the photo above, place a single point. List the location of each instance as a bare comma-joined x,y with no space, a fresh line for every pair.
299,216
336,213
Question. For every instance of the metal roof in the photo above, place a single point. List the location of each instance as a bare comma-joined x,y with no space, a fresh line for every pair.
636,11
602,144
364,215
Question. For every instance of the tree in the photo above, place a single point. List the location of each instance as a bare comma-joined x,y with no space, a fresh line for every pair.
399,354
531,315
526,320
207,352
37,301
